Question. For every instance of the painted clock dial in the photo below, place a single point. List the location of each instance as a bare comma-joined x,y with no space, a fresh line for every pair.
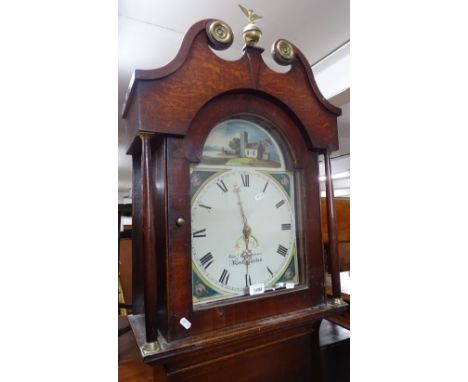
242,214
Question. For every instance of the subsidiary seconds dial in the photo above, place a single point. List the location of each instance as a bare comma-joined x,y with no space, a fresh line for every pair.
243,230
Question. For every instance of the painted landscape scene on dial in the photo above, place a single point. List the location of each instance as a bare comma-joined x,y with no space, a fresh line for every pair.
241,143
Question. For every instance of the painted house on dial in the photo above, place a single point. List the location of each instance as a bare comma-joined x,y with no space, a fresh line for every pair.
252,150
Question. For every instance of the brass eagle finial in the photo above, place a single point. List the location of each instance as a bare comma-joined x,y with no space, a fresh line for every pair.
251,16
251,32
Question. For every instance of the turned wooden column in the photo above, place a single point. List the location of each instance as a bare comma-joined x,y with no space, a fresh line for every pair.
149,241
332,235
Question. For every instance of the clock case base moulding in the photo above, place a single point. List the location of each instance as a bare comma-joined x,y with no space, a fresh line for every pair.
235,339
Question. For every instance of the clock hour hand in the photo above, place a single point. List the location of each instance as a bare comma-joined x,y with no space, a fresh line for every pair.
246,230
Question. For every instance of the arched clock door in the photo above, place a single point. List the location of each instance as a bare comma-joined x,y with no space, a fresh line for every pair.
247,187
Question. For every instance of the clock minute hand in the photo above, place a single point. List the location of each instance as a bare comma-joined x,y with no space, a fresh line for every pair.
239,202
246,230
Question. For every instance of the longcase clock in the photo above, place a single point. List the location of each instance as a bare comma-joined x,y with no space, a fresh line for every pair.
228,268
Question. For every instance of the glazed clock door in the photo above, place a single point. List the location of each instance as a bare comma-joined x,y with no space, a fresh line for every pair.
243,215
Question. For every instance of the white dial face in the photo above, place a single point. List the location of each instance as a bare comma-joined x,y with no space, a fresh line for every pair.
243,230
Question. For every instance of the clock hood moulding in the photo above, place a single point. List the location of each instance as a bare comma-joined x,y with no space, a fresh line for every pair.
197,75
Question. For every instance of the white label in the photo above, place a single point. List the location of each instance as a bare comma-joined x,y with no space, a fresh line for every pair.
280,285
289,285
185,323
257,289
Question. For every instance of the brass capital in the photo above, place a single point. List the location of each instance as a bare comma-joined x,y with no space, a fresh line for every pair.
144,135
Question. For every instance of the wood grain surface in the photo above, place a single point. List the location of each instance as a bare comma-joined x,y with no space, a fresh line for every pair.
273,336
165,100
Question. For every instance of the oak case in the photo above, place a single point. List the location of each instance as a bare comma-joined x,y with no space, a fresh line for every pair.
170,112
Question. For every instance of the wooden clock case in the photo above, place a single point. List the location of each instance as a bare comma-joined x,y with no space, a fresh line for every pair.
170,112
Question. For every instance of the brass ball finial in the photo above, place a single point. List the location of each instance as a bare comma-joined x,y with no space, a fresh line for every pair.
251,32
